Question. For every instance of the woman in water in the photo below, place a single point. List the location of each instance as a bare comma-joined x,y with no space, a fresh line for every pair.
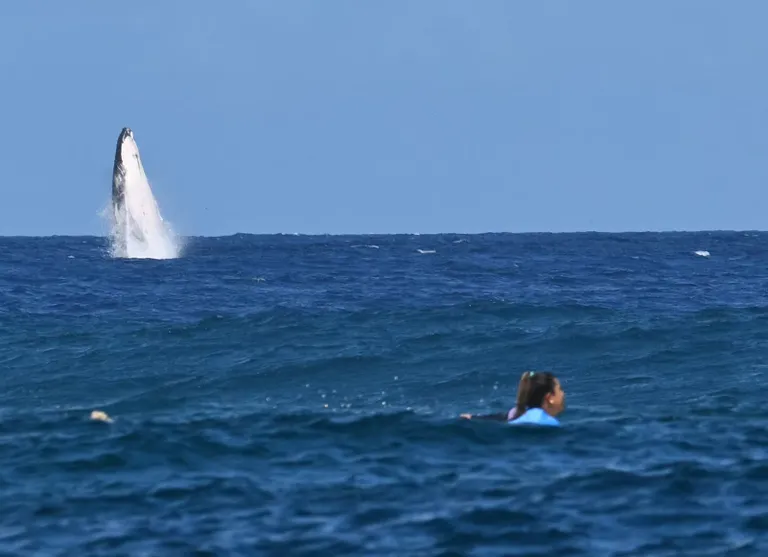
539,399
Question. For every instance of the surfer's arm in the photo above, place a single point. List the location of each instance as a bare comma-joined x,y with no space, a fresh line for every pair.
497,416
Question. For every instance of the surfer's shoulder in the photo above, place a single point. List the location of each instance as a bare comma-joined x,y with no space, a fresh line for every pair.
535,416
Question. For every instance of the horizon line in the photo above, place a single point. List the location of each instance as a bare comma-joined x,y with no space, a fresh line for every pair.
343,234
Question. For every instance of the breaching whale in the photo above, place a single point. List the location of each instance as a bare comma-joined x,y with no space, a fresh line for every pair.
138,228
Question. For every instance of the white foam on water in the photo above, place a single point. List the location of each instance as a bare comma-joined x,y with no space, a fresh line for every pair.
702,253
138,230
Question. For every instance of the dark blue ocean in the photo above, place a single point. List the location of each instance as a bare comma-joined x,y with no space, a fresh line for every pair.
299,395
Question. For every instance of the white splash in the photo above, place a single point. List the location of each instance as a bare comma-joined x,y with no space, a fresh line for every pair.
138,230
702,253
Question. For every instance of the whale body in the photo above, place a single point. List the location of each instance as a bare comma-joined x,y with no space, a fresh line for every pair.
138,228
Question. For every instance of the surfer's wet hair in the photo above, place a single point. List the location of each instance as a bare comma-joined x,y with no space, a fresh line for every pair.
533,388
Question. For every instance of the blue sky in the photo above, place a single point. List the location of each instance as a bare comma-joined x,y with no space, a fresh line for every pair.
389,116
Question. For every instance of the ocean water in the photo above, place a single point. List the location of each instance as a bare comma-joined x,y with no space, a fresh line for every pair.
292,395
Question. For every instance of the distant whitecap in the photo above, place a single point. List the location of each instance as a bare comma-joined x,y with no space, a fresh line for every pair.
702,253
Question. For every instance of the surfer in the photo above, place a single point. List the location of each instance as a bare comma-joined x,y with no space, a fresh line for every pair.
539,399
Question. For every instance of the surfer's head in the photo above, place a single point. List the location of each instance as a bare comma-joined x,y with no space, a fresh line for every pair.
539,389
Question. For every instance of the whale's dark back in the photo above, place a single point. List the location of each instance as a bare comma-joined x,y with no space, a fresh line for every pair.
117,168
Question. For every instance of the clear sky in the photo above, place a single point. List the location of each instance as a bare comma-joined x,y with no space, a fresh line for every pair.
350,116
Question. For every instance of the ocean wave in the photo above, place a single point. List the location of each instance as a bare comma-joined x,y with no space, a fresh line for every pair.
296,395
